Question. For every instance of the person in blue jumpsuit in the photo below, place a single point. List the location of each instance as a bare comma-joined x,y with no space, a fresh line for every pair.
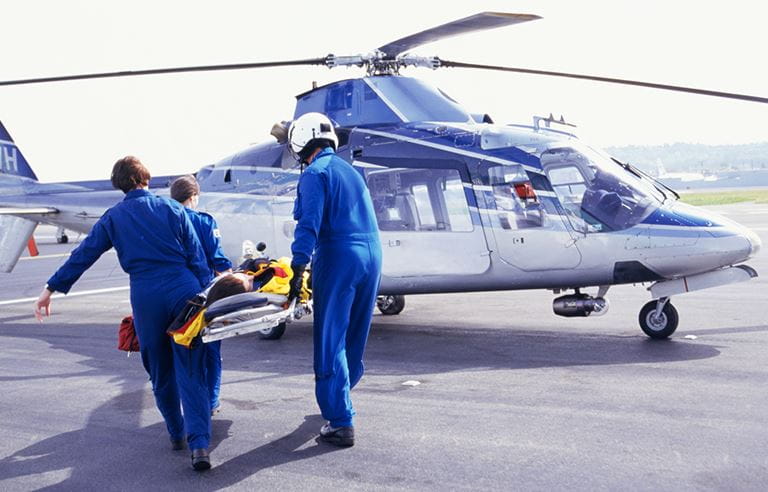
157,246
186,191
336,229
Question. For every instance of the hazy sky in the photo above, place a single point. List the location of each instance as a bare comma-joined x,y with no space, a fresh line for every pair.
177,123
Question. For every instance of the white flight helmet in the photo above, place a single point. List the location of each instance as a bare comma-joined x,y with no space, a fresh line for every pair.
308,127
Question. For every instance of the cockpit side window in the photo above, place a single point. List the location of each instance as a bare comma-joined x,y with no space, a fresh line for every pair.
594,191
517,205
570,184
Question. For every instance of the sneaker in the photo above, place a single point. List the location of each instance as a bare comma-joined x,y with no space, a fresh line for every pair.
339,436
200,459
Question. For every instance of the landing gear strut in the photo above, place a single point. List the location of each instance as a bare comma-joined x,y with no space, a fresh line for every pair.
658,319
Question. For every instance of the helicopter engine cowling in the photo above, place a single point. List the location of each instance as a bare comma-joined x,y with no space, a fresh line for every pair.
575,305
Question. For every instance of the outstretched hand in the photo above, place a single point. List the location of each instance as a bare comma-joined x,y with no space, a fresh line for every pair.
43,304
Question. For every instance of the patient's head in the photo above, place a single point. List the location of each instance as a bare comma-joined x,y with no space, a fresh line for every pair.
229,285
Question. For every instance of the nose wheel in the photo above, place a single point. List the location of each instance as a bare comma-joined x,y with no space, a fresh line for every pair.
658,319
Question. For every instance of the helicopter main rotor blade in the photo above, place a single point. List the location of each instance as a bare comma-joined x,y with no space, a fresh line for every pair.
477,22
158,71
677,88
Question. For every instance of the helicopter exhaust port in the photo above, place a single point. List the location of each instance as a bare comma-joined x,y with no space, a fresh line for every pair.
574,305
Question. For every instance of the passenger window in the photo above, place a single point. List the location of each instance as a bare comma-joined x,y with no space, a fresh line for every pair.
516,200
456,205
419,199
424,206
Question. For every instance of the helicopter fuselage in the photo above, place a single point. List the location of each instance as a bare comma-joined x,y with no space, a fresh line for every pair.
462,204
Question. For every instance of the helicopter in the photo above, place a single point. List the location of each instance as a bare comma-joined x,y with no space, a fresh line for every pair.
463,203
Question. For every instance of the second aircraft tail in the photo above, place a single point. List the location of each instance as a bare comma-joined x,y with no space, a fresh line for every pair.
12,161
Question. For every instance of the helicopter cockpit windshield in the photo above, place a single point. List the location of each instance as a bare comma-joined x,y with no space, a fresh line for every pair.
598,194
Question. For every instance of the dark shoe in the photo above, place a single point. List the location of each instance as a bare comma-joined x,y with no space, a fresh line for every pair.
339,436
200,459
178,444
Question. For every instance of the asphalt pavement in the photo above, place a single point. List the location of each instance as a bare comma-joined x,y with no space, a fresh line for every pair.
462,391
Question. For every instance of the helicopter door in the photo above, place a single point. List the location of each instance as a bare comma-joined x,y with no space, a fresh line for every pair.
424,218
529,231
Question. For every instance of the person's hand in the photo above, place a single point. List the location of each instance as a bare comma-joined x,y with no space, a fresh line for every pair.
296,281
43,303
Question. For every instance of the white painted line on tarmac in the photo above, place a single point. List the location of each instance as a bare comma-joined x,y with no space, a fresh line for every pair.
42,257
71,294
56,255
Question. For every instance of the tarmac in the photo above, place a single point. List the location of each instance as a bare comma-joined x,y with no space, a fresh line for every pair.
482,391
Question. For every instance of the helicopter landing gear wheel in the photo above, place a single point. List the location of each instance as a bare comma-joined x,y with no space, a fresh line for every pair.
61,236
274,333
390,305
659,323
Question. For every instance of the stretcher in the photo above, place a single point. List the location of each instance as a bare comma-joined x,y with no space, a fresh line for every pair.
249,313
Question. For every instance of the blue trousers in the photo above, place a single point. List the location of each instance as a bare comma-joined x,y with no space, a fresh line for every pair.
176,372
345,281
213,371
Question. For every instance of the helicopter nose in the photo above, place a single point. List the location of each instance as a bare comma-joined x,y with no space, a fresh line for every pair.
735,243
754,241
707,241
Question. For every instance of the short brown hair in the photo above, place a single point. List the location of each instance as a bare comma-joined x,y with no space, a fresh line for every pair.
129,173
184,187
226,286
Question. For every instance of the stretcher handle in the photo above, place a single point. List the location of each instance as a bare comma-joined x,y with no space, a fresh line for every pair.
292,309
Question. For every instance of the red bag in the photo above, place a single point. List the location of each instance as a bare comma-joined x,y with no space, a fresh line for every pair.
126,336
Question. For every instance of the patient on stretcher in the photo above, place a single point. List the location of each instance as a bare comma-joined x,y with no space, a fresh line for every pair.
235,292
258,284
229,285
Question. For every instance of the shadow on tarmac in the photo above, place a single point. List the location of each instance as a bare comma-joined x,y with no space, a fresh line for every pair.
102,457
398,348
113,451
392,348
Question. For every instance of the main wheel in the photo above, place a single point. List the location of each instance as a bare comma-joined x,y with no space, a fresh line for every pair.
661,326
390,305
63,239
274,333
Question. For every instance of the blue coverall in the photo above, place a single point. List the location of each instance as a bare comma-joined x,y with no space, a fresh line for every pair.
157,246
336,221
208,232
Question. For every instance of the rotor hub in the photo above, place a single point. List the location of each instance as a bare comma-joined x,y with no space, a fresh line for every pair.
379,63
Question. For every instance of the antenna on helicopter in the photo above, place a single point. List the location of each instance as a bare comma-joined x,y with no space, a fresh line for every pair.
548,120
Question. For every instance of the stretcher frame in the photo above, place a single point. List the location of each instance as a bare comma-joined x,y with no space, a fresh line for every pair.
221,327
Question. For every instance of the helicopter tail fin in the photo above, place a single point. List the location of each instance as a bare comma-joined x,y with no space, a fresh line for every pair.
12,161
